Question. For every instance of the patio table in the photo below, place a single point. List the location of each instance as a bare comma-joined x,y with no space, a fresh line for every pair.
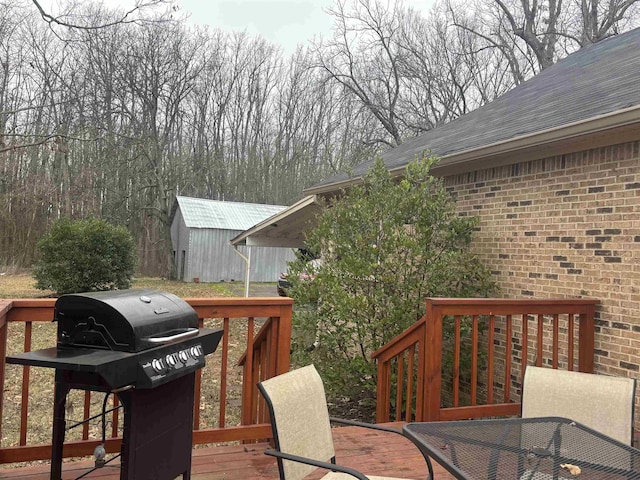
546,448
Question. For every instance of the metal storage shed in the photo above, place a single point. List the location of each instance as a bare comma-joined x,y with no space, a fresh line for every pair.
200,233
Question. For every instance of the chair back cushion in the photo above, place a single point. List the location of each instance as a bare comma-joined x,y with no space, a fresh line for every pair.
601,402
300,419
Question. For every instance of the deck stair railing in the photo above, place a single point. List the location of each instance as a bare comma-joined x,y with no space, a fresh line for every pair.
464,358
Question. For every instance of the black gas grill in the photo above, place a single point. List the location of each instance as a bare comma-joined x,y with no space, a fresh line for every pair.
145,346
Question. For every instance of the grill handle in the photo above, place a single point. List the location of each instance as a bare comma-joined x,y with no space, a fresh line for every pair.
192,332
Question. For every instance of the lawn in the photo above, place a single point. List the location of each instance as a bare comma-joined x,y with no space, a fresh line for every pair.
23,286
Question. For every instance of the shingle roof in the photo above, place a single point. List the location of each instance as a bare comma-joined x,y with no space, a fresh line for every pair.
596,80
204,213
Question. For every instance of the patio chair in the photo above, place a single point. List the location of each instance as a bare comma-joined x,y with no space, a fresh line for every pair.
302,429
601,402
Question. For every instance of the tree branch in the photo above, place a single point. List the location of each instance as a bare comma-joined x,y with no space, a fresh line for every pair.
124,19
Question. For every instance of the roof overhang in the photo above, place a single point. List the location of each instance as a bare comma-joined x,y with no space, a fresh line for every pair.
284,229
609,129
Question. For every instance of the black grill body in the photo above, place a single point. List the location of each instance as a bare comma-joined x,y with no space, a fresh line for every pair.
144,346
124,320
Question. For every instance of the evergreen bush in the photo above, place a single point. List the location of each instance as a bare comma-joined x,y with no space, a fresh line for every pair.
85,255
385,245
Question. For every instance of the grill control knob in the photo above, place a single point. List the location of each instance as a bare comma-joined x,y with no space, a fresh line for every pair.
157,365
195,352
171,360
183,356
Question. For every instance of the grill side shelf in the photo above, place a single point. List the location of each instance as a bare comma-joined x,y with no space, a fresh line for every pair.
75,359
106,368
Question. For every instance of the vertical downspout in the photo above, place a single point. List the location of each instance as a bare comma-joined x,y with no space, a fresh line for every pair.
247,261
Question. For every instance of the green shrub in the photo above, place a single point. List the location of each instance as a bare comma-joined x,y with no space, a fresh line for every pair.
85,255
386,245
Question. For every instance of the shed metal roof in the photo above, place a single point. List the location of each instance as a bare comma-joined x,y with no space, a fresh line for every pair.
593,82
205,213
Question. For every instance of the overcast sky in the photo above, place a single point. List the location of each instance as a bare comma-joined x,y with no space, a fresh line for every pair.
287,23
284,22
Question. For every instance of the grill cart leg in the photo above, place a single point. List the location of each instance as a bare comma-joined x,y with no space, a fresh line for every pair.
59,425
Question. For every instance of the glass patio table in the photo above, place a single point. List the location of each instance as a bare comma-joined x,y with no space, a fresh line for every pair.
546,448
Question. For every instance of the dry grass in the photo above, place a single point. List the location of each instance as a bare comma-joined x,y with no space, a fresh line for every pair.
23,286
40,404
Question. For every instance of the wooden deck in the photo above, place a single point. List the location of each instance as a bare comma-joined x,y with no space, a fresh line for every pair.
372,452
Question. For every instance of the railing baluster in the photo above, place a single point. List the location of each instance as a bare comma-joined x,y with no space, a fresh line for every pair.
474,360
507,354
556,339
197,390
26,370
260,375
223,373
4,327
410,372
247,384
570,340
114,416
525,347
265,350
456,361
399,383
540,340
490,340
273,346
87,413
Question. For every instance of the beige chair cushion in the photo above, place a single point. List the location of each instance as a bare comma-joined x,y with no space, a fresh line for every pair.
301,421
601,402
301,417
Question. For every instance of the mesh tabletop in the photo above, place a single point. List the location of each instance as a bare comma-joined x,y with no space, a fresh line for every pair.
524,449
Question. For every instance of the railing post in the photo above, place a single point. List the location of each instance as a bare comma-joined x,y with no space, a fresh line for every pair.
283,355
5,306
432,354
382,392
586,340
420,387
248,380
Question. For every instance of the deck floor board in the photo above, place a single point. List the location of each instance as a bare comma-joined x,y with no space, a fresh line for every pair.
372,452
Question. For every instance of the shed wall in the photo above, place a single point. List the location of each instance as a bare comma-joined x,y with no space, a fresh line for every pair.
212,259
566,227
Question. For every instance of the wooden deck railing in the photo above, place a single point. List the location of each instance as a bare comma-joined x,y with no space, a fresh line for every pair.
465,357
221,413
260,357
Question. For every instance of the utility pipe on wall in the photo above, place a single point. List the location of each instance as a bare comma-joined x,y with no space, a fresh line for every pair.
247,271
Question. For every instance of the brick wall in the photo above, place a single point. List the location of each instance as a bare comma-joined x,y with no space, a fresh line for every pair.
566,227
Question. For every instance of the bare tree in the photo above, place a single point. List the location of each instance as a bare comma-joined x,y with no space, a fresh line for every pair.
363,57
533,35
601,19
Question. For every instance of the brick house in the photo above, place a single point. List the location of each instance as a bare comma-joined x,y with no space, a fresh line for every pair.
552,170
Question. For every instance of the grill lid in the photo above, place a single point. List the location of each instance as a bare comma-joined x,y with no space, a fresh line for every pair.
124,320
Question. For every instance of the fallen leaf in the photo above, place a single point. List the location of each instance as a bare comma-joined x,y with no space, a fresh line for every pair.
573,469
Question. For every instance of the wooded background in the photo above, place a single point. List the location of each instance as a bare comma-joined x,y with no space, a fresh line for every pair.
112,113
